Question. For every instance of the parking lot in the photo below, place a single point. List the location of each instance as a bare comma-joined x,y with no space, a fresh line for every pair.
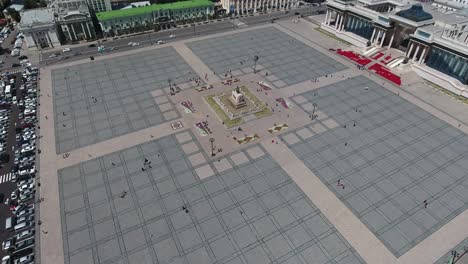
18,159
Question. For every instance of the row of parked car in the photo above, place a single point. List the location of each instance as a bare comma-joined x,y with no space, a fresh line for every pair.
20,246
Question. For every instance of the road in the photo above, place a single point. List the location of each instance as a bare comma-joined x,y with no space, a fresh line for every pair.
212,27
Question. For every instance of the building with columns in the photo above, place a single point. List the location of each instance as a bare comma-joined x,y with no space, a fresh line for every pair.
154,17
39,28
242,7
74,21
433,40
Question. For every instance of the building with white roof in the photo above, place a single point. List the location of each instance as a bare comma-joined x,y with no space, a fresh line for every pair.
38,27
434,40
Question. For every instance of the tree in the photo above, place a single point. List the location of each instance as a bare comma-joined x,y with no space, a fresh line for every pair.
30,4
15,15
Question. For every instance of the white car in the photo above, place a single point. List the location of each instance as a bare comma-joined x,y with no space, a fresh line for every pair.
172,36
27,186
28,148
14,195
25,182
159,42
135,44
25,234
28,171
25,260
6,260
52,56
66,50
25,212
7,244
29,111
131,43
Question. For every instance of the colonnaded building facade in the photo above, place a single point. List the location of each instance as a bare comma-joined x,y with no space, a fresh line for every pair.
156,16
431,40
242,7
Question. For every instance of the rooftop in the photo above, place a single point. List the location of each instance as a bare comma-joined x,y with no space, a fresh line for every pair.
415,13
137,4
37,17
148,9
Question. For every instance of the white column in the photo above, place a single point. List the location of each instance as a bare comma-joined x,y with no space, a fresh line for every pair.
410,49
416,52
340,24
326,17
329,18
383,38
84,31
377,36
69,34
337,19
373,35
255,5
423,53
391,40
74,33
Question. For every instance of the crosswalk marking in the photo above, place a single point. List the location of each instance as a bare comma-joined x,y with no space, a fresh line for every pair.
6,177
15,71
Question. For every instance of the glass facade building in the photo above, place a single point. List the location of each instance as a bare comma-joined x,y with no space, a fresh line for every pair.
359,26
448,63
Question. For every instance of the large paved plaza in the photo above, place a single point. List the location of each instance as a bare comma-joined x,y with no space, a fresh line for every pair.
337,174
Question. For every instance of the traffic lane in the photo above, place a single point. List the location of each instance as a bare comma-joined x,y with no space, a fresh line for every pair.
123,45
143,38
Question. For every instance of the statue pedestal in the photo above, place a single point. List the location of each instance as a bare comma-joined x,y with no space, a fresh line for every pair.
237,99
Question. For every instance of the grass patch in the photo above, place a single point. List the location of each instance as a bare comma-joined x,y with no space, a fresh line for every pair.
265,109
228,122
333,36
449,93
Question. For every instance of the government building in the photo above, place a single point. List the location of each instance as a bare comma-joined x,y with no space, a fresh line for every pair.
431,38
242,7
154,17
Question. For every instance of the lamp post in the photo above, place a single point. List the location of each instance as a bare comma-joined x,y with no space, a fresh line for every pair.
212,147
255,63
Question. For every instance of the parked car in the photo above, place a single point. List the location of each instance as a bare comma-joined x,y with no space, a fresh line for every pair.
66,50
9,243
25,260
24,234
6,260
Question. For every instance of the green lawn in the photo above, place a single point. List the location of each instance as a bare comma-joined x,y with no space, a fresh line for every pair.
449,93
228,122
333,36
266,111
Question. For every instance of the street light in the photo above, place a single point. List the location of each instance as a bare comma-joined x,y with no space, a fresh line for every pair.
212,147
255,63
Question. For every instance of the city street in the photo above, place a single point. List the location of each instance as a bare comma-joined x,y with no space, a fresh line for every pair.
185,32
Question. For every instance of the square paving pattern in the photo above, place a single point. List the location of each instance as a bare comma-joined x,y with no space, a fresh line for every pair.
252,212
100,100
390,156
287,60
